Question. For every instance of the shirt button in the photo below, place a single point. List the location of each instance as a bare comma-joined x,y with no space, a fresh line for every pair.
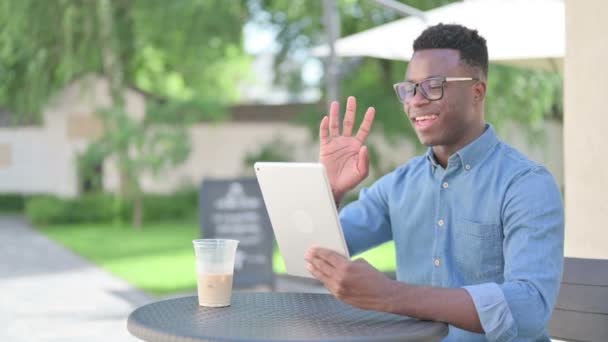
440,223
467,167
437,262
445,185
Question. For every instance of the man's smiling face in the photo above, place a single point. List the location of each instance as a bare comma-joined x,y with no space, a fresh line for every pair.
447,121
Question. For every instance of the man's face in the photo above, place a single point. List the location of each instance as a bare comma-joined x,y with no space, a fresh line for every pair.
448,121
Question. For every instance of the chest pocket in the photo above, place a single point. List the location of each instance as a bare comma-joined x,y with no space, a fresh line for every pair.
478,251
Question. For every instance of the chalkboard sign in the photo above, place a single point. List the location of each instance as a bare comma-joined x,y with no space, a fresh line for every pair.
234,209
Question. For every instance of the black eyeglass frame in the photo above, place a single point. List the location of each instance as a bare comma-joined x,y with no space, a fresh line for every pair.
417,85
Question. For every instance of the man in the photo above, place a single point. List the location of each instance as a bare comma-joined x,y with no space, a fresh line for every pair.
478,228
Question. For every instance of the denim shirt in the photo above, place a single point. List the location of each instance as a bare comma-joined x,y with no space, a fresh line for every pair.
491,222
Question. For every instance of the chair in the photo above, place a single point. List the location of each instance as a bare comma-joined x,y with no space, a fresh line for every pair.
581,311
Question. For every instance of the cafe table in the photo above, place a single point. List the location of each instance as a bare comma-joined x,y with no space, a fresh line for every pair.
275,316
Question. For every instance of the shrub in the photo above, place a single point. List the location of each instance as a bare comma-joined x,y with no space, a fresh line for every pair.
180,205
45,209
97,207
102,208
12,203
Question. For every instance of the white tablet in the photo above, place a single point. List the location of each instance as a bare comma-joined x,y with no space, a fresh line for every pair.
302,211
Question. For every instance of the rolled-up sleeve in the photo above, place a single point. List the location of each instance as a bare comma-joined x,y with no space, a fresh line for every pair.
533,248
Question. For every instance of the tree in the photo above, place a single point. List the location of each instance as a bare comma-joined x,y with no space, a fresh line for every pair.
188,52
180,50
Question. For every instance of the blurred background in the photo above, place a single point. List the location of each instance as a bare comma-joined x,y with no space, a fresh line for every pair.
112,114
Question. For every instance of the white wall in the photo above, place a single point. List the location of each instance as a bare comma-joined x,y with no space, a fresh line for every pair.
585,129
33,163
43,159
218,151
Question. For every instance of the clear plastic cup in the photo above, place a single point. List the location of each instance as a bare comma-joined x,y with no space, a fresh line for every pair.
215,268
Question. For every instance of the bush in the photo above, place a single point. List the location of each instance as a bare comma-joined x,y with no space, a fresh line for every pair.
177,206
12,203
45,209
180,205
102,208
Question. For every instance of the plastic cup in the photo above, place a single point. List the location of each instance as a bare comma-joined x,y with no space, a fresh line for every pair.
215,268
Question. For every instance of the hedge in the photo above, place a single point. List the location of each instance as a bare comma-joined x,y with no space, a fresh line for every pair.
105,208
12,203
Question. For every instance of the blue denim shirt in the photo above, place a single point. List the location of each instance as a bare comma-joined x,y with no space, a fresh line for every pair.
491,222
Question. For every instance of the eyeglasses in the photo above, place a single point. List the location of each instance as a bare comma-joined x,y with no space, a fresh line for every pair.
431,88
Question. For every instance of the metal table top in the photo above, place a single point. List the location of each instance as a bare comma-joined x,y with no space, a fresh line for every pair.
272,316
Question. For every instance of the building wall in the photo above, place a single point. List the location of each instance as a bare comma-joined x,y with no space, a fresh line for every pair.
218,151
586,129
43,159
30,163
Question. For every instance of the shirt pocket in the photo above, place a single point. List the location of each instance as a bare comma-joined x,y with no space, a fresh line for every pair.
478,251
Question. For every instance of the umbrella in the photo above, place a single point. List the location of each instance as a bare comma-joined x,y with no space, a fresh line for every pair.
525,33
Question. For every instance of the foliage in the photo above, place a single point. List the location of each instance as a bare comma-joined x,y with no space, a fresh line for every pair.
48,209
185,51
177,50
179,206
149,146
101,208
12,203
276,150
524,96
300,25
140,148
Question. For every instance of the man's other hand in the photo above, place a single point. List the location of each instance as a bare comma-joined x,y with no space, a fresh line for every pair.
355,282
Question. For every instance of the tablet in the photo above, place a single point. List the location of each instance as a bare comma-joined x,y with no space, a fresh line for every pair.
301,209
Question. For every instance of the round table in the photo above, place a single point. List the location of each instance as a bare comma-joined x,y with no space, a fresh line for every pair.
273,316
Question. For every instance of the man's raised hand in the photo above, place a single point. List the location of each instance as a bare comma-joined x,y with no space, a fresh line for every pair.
344,155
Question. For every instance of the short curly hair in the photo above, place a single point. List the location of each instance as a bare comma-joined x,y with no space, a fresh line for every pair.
472,46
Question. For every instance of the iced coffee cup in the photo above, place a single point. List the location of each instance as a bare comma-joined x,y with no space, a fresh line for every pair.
215,267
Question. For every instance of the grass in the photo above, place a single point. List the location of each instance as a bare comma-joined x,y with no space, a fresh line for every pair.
159,258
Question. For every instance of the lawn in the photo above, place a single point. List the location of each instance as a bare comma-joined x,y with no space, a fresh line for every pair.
159,258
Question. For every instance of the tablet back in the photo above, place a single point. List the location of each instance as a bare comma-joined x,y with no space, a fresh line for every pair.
302,211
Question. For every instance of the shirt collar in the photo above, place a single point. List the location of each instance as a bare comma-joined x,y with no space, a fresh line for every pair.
430,156
472,154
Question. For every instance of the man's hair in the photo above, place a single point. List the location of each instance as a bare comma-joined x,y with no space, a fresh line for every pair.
472,46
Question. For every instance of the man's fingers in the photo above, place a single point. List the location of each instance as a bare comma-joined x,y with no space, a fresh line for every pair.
366,125
322,266
332,258
349,116
316,273
334,119
363,161
324,131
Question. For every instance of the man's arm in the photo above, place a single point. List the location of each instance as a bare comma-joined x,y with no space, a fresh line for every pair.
533,249
359,284
520,306
453,306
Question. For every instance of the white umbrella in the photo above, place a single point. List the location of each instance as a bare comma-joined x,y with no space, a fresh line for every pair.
528,33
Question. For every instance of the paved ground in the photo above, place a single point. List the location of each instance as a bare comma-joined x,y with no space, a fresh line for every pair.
48,293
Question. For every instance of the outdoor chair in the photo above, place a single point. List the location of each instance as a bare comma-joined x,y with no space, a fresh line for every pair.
581,311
